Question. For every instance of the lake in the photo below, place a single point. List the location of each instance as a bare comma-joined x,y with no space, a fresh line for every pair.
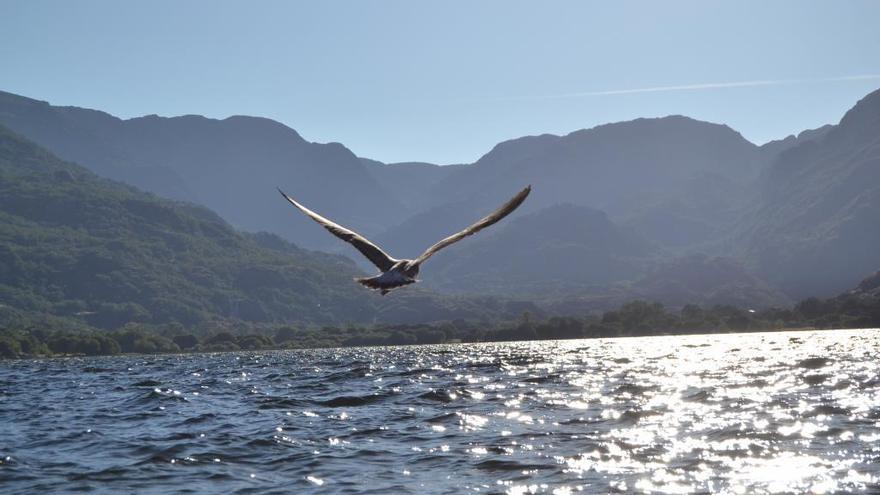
787,412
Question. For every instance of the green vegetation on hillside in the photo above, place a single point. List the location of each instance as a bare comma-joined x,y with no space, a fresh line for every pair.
798,216
90,266
858,308
72,244
101,254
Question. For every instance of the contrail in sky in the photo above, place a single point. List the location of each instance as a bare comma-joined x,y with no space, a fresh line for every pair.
694,87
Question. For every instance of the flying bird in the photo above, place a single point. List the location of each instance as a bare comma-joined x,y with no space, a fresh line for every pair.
397,273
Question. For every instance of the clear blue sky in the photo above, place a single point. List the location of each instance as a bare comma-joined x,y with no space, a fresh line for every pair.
444,81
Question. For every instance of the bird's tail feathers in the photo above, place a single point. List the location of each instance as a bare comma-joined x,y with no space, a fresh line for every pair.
369,282
376,284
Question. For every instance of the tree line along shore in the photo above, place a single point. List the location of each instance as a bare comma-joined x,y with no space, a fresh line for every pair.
855,309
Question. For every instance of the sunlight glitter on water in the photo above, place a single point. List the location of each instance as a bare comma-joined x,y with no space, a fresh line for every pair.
757,413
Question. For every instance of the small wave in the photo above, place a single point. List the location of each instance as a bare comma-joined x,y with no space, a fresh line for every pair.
871,383
147,383
579,421
416,372
280,403
178,436
827,410
201,418
816,379
344,376
353,400
633,389
261,442
813,363
539,379
109,474
156,455
499,465
631,417
444,396
702,395
156,397
442,418
96,369
365,433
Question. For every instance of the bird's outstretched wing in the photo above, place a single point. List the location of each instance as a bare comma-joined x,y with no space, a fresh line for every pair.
486,221
373,252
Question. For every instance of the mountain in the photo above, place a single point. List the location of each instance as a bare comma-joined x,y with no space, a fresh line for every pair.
558,249
410,181
795,215
772,149
814,227
562,251
612,167
686,175
640,172
77,246
791,219
232,166
707,281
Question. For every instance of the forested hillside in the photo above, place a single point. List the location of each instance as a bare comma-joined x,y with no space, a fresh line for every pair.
76,246
790,219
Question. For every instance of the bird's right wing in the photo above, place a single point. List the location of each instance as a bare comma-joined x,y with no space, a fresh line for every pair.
373,252
495,216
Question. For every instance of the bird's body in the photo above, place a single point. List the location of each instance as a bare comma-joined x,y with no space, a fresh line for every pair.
397,276
398,273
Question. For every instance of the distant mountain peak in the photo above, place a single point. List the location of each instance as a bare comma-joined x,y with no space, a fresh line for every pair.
672,124
241,123
865,113
6,97
514,148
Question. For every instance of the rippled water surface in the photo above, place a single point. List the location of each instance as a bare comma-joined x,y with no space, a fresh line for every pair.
775,413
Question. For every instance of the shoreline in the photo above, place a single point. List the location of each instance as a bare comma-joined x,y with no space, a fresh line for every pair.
278,349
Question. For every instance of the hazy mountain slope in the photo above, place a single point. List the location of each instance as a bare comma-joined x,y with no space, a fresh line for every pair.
685,175
577,254
610,166
411,182
799,212
80,135
706,281
771,150
232,166
76,245
815,227
641,172
557,249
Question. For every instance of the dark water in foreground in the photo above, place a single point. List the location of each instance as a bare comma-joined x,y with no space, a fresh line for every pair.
777,413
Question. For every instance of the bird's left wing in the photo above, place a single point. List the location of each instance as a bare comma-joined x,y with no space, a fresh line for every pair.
484,222
373,252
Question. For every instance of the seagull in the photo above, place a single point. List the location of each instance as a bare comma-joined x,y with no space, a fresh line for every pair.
397,273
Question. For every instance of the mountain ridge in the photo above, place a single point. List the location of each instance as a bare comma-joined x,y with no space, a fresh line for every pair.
96,252
782,209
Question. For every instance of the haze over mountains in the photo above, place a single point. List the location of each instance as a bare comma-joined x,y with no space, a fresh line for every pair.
77,246
229,165
630,209
814,226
